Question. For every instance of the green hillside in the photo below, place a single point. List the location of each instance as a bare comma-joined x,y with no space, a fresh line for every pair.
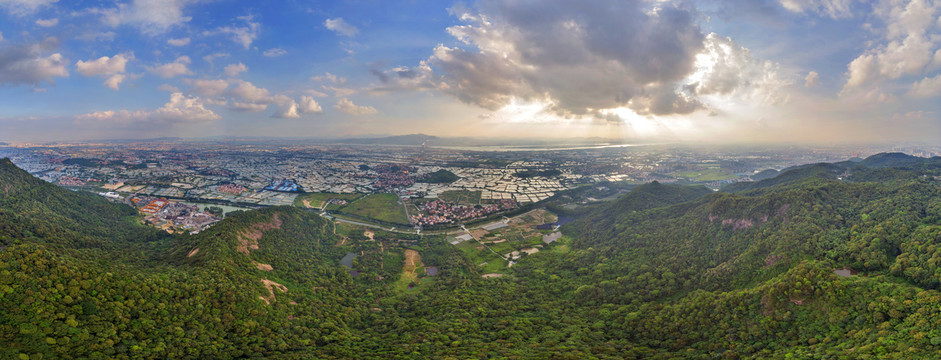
664,272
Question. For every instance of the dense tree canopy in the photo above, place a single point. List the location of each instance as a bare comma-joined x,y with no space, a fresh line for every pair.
665,271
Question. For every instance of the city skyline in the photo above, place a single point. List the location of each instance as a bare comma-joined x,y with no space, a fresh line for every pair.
735,71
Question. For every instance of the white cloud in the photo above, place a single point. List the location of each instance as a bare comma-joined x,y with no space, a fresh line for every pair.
275,52
152,17
336,80
728,69
812,79
248,91
207,88
347,106
907,45
114,81
340,26
26,64
247,107
104,65
174,69
24,7
927,87
287,108
243,34
179,42
833,8
47,22
1,36
180,109
233,70
248,97
290,109
307,105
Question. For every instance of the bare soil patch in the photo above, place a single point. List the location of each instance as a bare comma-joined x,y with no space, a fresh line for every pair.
192,252
248,239
264,267
271,285
412,261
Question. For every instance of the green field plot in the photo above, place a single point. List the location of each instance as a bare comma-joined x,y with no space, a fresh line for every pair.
494,262
317,200
382,207
461,197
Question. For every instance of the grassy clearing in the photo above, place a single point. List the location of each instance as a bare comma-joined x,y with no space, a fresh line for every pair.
461,197
383,207
316,199
494,262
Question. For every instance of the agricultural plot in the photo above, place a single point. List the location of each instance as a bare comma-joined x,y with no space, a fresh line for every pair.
382,207
461,197
319,200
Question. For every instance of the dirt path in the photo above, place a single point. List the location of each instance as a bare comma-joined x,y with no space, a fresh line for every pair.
412,261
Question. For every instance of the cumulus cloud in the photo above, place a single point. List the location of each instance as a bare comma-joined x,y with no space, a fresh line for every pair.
812,79
47,22
833,8
24,7
275,52
244,33
729,69
104,65
27,64
152,17
907,46
927,87
207,88
248,97
347,106
233,70
180,109
579,57
174,69
307,105
288,108
113,68
341,27
179,42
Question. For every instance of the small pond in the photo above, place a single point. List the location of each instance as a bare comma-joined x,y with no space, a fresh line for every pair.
348,260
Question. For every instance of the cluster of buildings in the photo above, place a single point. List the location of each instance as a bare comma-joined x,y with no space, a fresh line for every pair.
253,173
441,212
173,216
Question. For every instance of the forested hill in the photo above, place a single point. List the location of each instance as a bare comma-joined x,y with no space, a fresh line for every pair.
33,210
664,272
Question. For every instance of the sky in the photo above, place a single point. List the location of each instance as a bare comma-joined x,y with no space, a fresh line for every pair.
822,71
